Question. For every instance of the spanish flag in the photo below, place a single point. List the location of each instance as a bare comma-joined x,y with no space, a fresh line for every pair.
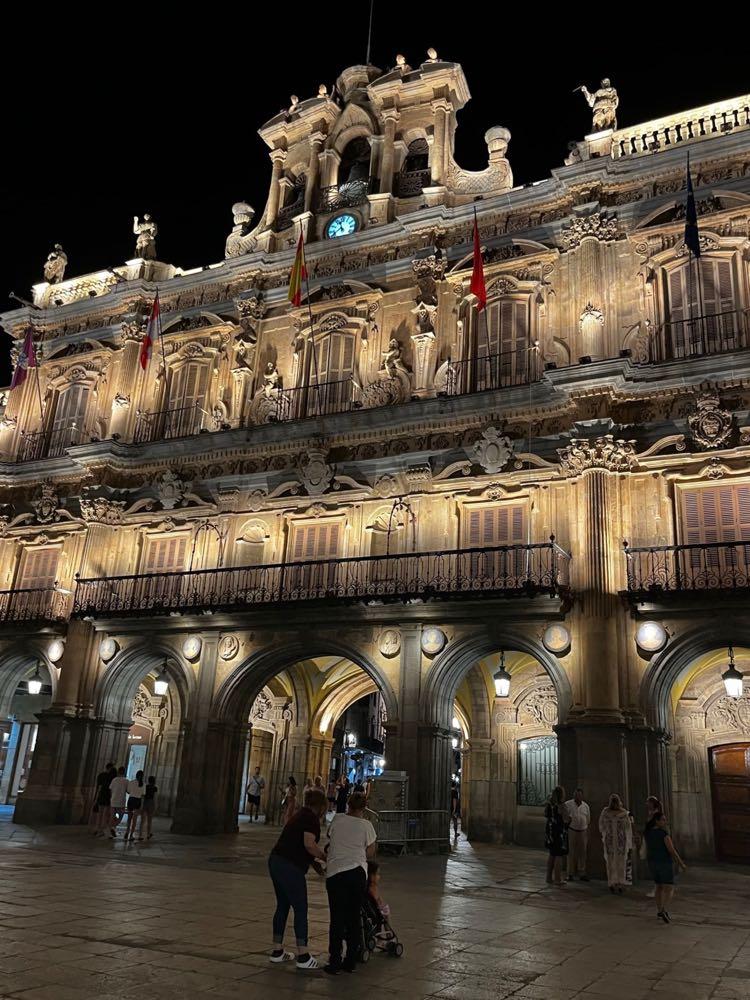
478,286
150,335
298,275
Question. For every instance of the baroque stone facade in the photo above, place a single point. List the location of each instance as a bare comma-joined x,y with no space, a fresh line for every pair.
305,498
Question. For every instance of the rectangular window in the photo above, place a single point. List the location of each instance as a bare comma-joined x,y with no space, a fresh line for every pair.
717,514
165,555
188,392
702,317
316,541
507,330
331,373
38,569
321,540
537,770
69,418
487,528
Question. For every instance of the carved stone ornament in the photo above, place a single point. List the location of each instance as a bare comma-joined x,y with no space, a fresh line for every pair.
603,453
492,451
315,472
132,331
599,226
229,647
102,510
386,486
540,707
730,713
262,707
390,642
710,426
46,504
170,489
121,401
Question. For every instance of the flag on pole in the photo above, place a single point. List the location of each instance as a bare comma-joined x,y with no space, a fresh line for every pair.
299,273
478,286
692,237
26,359
148,338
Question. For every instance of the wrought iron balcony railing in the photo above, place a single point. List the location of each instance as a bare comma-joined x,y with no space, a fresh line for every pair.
505,570
42,604
315,400
345,195
34,445
659,569
408,183
181,421
496,371
716,333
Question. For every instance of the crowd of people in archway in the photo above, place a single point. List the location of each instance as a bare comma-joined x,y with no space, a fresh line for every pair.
566,838
121,798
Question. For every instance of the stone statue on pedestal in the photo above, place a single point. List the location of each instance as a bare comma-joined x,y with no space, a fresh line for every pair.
603,103
54,267
145,245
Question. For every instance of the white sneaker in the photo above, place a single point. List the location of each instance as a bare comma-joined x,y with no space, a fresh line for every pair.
311,963
285,956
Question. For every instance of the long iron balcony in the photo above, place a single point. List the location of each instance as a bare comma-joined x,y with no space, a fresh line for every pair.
40,604
662,569
716,333
506,570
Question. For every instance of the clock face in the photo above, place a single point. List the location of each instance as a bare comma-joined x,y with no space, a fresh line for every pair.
342,225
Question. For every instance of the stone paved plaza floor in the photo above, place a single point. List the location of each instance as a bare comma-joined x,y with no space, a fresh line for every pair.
190,917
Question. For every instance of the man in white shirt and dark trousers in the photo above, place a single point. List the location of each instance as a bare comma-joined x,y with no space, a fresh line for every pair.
578,817
254,791
351,844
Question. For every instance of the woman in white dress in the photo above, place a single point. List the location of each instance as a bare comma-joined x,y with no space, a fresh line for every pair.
617,841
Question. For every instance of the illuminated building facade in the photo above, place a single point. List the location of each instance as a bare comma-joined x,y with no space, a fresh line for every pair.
387,490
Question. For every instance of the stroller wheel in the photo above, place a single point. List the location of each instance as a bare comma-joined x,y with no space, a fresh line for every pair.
371,943
398,949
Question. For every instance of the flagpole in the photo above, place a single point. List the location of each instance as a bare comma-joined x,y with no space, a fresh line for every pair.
163,359
486,322
312,332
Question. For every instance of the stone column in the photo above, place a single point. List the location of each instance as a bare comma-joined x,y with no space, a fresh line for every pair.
328,162
441,110
390,122
316,141
277,159
125,400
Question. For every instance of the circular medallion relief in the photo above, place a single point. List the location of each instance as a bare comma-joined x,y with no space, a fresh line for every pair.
556,639
229,647
433,640
651,637
390,642
107,649
55,650
191,647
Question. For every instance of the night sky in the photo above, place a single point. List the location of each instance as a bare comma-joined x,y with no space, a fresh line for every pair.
159,114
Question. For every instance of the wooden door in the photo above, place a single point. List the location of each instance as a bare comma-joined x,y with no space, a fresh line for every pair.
730,790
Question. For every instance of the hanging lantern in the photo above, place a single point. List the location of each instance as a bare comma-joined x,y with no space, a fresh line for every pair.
161,684
502,679
34,683
732,678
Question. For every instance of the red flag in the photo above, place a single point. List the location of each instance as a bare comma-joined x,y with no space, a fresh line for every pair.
148,338
478,286
299,273
26,359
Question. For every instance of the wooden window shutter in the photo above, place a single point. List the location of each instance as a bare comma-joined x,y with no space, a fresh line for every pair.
39,568
677,297
316,541
502,524
716,514
70,408
166,555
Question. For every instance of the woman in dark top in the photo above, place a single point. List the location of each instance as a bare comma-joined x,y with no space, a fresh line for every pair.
342,795
101,805
556,834
295,850
662,857
148,807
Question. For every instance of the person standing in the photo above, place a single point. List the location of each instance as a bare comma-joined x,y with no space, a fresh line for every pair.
254,791
351,843
103,798
578,817
617,840
148,807
455,808
294,851
556,834
118,791
653,805
342,794
136,790
662,857
289,802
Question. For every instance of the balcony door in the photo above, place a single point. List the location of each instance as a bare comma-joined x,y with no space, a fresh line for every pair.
319,543
507,330
68,419
702,301
188,393
709,516
163,555
331,368
488,527
37,572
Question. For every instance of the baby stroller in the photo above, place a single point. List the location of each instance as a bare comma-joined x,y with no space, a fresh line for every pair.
377,933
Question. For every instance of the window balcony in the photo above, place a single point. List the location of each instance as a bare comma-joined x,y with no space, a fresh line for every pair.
317,400
347,195
34,445
717,333
409,183
496,371
178,422
677,569
42,604
500,571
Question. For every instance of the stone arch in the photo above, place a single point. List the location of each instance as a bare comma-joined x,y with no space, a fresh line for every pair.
338,700
18,664
119,681
452,665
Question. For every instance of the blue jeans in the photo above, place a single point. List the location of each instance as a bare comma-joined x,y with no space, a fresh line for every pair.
290,887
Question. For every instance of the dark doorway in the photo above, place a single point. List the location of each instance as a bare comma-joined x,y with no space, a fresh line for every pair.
730,790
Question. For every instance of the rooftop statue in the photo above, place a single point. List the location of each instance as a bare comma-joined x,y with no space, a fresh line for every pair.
604,103
54,267
145,245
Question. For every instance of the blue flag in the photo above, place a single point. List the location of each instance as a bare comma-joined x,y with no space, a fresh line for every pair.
692,239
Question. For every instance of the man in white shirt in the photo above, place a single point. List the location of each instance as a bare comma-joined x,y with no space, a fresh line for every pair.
254,790
118,791
351,843
578,818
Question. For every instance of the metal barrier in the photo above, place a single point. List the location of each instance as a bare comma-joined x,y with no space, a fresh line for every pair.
412,830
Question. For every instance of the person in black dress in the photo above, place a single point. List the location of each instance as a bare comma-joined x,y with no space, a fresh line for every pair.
556,835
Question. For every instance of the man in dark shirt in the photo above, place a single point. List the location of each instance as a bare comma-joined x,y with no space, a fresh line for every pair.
294,851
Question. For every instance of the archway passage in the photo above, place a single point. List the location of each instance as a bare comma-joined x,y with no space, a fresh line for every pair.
710,759
504,753
26,688
319,720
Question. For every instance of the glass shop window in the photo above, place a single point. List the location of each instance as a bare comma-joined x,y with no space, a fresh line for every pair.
537,770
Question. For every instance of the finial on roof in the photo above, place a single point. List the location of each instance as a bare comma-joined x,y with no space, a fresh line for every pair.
432,55
322,90
400,60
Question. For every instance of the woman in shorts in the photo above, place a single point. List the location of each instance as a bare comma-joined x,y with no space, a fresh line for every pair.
148,806
136,790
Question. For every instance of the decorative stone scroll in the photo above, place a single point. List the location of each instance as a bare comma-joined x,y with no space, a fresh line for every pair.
492,451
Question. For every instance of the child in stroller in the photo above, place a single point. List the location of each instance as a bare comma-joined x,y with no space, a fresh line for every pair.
376,930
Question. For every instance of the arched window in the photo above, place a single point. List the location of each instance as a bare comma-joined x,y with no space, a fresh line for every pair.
703,317
69,418
187,399
415,173
502,337
355,162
